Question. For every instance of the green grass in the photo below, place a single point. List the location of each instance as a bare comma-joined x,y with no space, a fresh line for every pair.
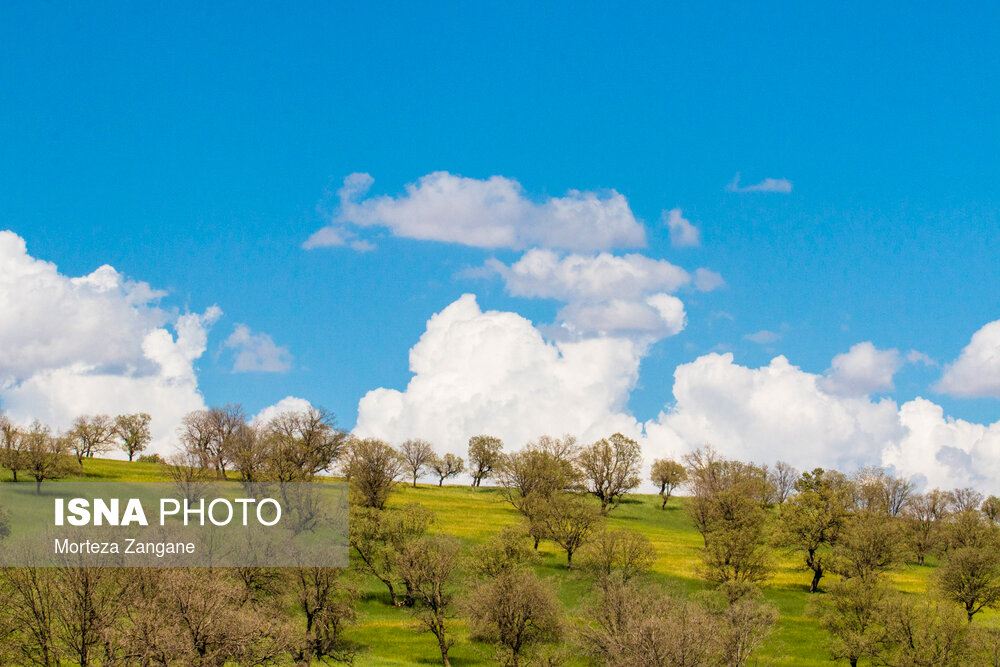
393,637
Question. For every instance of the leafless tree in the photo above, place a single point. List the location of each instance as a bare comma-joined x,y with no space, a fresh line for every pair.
90,603
418,454
427,565
305,443
620,553
484,452
970,576
967,499
447,466
327,605
611,469
377,536
514,612
504,551
783,480
91,435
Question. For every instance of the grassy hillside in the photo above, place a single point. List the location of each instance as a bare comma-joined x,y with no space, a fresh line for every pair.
394,638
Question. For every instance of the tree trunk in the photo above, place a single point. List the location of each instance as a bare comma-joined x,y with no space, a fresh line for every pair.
414,480
441,482
443,645
817,575
569,559
537,540
38,485
130,454
664,505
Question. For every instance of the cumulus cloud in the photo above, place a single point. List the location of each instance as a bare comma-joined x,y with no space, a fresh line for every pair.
606,295
257,352
682,233
493,372
484,213
91,344
862,370
782,185
774,412
976,372
287,404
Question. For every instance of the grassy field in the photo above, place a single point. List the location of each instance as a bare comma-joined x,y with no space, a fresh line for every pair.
393,637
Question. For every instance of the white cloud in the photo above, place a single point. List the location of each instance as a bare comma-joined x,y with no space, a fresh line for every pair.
92,344
782,185
488,213
706,280
862,370
606,295
763,337
774,412
492,372
917,357
545,274
976,372
256,352
682,233
287,404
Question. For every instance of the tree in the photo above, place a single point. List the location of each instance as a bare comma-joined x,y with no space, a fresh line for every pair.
611,469
91,435
44,455
328,608
515,612
484,452
991,509
418,454
667,474
374,470
427,565
853,614
504,551
569,521
304,443
447,466
377,536
966,500
812,519
529,476
250,452
89,604
868,545
734,538
923,522
11,444
970,576
923,633
620,553
783,480
133,433
196,434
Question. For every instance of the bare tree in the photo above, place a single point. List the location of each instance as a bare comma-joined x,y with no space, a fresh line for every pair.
31,598
783,479
89,605
667,474
868,545
923,522
611,469
418,455
196,434
374,470
249,452
514,612
427,565
304,443
853,614
484,453
91,435
504,551
133,433
327,605
966,500
534,473
447,466
222,425
622,553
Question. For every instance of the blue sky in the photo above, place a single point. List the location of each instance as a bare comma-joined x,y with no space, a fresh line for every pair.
197,148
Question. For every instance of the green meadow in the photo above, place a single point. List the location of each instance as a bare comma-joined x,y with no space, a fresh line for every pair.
391,636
